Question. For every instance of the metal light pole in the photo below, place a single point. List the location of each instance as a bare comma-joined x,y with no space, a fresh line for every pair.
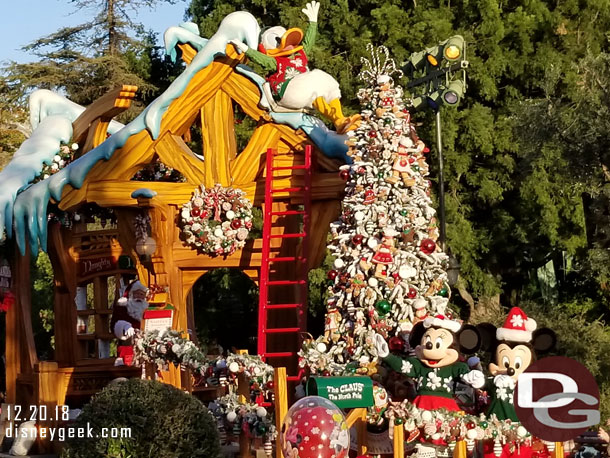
441,182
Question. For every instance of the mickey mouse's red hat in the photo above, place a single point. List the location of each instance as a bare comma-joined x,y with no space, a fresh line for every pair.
517,327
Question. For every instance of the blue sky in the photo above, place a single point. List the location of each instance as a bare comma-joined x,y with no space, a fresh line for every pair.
23,21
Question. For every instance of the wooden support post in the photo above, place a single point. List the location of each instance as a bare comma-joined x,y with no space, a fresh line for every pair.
460,450
357,418
399,441
281,404
558,452
46,391
243,392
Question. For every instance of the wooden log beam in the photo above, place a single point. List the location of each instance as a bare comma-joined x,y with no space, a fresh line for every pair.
89,129
219,145
175,153
281,402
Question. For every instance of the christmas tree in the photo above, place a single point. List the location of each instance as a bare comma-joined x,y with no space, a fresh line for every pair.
389,271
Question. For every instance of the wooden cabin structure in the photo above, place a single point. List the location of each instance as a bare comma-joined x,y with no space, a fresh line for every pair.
95,259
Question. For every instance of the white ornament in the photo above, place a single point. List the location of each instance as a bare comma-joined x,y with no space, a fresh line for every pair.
359,216
74,146
372,243
218,232
373,282
234,367
521,431
57,158
261,412
338,263
471,434
321,347
230,214
231,417
426,416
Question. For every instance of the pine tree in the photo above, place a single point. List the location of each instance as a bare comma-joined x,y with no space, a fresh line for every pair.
389,272
89,59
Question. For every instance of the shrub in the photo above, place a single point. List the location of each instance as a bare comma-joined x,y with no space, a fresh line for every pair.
164,421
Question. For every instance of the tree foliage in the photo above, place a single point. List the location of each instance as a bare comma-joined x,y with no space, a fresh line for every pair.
87,60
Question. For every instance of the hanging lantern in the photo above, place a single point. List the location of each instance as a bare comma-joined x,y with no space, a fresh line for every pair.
145,248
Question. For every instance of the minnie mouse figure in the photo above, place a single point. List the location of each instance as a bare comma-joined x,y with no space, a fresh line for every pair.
438,342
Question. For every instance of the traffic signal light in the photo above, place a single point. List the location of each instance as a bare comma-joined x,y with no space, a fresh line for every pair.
447,52
453,48
453,93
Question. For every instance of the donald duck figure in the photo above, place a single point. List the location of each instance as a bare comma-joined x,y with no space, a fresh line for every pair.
293,85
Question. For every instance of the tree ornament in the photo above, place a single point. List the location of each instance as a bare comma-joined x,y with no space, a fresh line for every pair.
344,175
338,263
444,292
332,274
427,246
234,367
195,212
483,424
412,294
357,239
261,412
383,307
497,448
268,448
396,344
231,416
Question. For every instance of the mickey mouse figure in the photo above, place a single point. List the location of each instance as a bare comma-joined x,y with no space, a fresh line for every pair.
438,341
514,347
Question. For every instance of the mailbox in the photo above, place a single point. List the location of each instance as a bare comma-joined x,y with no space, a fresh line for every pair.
345,392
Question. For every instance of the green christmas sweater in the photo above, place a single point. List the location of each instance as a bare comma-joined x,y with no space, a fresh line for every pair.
501,389
430,381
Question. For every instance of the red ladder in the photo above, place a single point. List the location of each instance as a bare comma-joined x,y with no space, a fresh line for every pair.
300,284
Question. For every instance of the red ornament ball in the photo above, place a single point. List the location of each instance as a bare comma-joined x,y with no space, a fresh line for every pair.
236,224
373,133
427,246
426,150
314,428
471,425
332,274
344,175
270,385
412,293
357,239
396,343
195,212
